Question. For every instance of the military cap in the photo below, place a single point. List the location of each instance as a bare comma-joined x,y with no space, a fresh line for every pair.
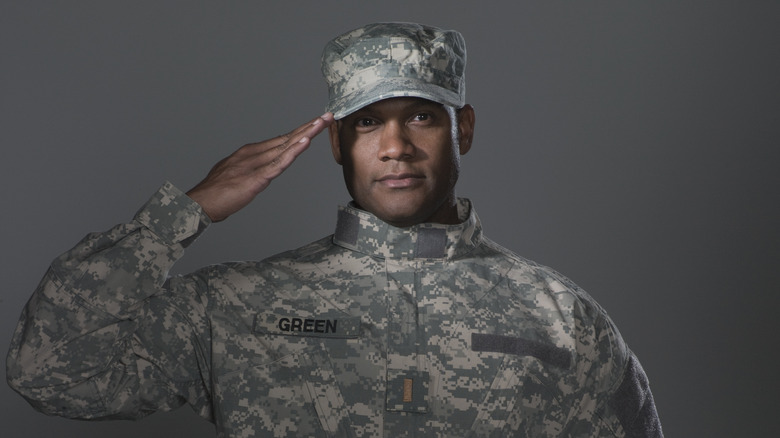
384,60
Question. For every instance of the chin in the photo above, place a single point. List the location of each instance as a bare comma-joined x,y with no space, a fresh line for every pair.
400,221
401,211
400,217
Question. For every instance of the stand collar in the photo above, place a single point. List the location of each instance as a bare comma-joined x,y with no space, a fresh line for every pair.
361,231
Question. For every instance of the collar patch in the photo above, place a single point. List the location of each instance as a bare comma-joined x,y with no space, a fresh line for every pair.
431,243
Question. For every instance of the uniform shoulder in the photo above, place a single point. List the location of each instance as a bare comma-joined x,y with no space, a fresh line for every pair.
492,246
559,299
310,250
528,276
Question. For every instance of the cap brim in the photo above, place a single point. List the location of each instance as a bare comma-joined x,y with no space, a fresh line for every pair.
388,88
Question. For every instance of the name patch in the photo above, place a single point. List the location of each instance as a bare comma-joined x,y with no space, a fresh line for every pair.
337,326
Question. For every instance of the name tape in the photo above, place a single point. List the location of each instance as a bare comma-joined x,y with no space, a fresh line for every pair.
344,327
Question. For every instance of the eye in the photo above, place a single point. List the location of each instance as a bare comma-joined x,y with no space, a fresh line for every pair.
365,122
421,117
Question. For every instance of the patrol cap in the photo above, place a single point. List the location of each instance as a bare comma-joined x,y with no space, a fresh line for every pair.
384,60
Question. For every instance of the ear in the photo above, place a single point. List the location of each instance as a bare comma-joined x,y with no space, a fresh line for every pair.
335,144
466,120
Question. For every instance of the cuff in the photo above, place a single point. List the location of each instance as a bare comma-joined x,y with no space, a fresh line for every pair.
173,216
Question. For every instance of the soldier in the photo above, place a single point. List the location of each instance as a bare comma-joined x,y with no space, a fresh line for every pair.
407,321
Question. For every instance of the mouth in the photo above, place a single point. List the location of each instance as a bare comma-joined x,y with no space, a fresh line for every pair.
401,180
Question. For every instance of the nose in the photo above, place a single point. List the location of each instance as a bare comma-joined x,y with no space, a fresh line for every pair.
395,143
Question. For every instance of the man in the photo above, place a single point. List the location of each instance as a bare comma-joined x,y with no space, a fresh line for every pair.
407,321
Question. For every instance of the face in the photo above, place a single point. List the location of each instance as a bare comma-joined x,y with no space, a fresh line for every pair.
401,158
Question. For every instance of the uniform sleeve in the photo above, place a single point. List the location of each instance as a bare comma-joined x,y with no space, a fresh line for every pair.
632,404
103,335
615,400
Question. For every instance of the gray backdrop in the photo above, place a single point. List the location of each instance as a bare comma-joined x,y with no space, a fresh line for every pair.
630,145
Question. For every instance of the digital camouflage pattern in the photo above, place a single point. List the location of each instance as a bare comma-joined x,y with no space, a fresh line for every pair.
384,60
431,330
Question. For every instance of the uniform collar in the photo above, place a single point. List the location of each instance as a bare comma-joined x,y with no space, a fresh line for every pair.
361,231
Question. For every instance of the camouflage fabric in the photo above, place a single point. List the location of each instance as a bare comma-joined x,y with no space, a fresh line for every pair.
431,330
384,60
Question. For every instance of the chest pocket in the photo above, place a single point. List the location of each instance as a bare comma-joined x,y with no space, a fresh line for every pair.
325,394
524,396
498,386
520,402
294,395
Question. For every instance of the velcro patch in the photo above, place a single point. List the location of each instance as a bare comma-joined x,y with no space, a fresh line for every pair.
550,354
633,403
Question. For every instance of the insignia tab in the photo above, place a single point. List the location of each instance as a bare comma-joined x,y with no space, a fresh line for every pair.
407,390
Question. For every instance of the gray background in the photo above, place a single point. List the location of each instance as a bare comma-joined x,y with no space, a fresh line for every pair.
631,145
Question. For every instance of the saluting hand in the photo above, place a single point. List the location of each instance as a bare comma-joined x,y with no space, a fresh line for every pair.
235,181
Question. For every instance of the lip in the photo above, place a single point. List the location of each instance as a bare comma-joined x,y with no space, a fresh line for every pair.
400,180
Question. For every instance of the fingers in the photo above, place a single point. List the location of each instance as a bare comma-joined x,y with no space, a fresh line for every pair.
271,157
281,157
312,128
299,139
309,129
234,181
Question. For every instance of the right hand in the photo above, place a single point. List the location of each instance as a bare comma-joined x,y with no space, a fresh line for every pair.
235,181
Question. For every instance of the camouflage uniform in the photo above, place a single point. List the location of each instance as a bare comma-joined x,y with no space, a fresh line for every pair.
431,330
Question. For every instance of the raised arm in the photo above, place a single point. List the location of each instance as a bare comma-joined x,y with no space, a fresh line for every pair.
88,343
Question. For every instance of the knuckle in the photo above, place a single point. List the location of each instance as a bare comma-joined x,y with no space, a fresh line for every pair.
276,162
282,148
